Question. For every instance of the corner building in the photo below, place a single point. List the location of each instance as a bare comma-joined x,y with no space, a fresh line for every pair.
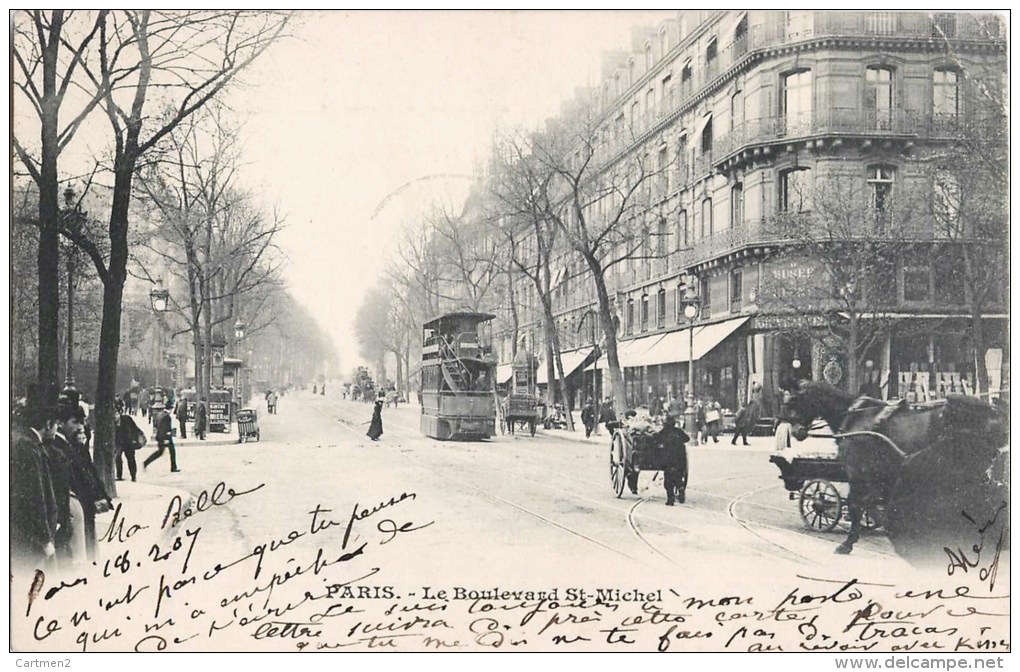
750,109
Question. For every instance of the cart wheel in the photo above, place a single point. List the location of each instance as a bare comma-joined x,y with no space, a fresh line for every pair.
820,505
531,426
617,469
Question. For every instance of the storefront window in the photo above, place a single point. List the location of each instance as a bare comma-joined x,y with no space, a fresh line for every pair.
916,284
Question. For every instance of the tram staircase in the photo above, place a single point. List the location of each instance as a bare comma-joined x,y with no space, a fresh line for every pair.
455,371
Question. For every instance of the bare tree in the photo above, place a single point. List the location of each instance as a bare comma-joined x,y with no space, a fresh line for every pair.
520,185
836,272
602,198
49,50
175,60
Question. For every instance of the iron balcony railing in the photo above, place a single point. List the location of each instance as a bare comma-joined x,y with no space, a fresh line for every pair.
802,27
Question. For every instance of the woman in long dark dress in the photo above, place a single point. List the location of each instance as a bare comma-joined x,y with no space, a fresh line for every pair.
375,428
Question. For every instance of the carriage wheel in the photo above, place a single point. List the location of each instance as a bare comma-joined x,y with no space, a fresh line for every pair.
531,426
617,468
820,505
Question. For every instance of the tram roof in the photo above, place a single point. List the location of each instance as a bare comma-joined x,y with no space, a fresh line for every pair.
465,316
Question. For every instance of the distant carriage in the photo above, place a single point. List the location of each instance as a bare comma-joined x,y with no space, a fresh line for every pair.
457,377
521,409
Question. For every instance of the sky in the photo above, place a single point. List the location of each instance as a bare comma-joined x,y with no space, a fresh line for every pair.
357,104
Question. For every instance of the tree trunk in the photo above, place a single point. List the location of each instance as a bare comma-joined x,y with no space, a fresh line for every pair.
609,330
49,249
977,337
109,338
853,386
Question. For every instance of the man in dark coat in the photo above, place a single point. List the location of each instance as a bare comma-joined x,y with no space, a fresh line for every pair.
164,438
588,418
129,439
746,419
201,417
84,481
606,412
673,442
375,427
34,512
182,416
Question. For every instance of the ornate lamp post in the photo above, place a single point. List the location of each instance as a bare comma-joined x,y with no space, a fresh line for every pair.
73,216
692,306
159,297
239,383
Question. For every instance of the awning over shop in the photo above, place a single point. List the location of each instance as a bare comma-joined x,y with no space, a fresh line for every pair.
504,372
675,346
626,350
571,362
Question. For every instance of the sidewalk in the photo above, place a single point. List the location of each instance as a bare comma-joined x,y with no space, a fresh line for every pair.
761,444
138,504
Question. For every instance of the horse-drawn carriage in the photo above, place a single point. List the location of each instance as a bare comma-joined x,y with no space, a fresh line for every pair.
914,467
811,481
640,446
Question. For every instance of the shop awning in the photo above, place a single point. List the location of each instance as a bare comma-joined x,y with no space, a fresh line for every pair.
675,347
504,372
571,362
626,350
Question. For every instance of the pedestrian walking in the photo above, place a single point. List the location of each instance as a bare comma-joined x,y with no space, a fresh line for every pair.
747,418
713,419
181,413
315,388
143,401
674,442
271,400
322,392
588,418
607,413
130,438
201,419
164,438
375,429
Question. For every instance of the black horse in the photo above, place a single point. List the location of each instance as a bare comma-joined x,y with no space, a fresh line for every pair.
936,469
874,439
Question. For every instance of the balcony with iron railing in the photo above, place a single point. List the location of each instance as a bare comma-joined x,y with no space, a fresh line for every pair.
905,26
841,122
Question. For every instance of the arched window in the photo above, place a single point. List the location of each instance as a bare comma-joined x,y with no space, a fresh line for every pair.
683,231
631,70
683,26
649,58
660,308
737,205
707,225
663,41
685,79
740,37
629,323
711,57
644,312
946,93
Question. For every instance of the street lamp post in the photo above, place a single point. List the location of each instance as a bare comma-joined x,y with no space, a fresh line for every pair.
691,309
239,383
159,297
73,215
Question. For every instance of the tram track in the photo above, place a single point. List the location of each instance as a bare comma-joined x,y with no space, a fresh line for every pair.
633,515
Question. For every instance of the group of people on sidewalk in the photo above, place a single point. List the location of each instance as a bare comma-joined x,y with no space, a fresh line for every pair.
56,491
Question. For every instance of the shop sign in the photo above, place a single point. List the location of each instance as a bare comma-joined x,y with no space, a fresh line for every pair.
833,372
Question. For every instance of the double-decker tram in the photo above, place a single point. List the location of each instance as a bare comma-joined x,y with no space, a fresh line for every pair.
457,373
